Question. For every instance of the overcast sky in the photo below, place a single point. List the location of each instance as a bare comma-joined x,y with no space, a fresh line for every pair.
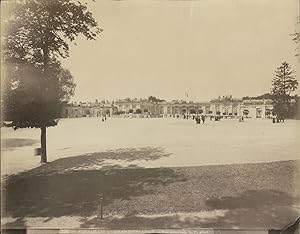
166,48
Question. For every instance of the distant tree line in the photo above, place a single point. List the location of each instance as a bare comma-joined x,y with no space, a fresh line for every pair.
155,99
260,97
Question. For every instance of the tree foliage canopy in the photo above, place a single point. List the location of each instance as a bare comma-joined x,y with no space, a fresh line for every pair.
192,111
155,99
23,101
283,84
36,36
296,39
40,30
264,96
138,111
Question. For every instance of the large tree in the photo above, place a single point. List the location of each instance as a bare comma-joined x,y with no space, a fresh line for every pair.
284,83
37,35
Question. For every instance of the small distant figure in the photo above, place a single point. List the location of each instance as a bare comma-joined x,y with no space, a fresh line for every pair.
105,118
203,118
197,120
102,119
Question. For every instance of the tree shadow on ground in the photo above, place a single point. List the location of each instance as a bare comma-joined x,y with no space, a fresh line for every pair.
98,159
12,143
252,209
246,196
256,208
60,189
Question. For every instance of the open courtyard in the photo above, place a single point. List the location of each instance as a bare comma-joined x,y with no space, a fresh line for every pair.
153,173
161,142
150,66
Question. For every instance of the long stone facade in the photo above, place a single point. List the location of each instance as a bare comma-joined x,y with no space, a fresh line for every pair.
222,106
139,106
76,110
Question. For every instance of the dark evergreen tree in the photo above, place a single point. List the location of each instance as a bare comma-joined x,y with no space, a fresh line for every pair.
283,84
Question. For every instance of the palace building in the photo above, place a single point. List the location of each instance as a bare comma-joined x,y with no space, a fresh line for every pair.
222,106
89,109
141,106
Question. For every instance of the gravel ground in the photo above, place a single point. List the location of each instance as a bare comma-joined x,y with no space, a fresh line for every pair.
180,142
258,195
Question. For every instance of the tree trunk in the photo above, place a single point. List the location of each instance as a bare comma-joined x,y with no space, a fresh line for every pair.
43,145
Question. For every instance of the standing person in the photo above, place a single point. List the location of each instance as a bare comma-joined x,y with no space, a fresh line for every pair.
197,119
105,117
203,118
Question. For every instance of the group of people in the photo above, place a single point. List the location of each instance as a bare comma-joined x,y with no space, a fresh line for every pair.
104,118
198,119
202,118
277,119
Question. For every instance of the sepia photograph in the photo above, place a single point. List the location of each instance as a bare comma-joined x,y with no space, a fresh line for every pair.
153,116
